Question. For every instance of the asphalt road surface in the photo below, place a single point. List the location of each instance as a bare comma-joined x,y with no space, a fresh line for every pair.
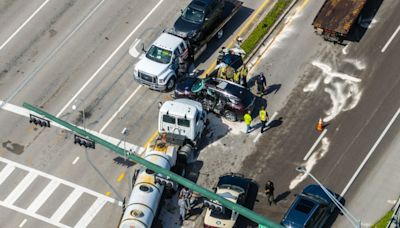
60,54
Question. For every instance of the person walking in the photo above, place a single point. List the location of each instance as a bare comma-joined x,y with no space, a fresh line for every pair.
186,194
269,192
243,75
261,84
263,118
182,210
247,120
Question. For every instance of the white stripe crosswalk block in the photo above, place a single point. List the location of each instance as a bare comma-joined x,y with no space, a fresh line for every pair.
66,205
91,213
21,187
43,196
5,172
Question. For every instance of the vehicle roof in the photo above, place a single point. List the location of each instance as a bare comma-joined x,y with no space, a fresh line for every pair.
181,108
167,41
338,15
296,216
200,4
232,88
234,179
229,194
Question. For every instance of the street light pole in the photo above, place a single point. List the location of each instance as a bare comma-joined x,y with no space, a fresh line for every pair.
355,222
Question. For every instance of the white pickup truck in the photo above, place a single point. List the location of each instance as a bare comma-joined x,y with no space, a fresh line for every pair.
158,67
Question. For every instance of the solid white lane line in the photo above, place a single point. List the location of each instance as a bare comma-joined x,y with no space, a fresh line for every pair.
43,196
371,151
22,223
91,213
25,112
315,144
23,24
75,160
390,39
61,181
270,120
50,56
21,187
5,172
33,215
107,60
119,109
66,205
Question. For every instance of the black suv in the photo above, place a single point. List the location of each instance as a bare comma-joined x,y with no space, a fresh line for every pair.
220,96
199,19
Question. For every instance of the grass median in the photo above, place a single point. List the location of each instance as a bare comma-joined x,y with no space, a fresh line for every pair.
264,26
382,223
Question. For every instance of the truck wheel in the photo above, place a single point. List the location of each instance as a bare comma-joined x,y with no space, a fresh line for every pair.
171,84
229,115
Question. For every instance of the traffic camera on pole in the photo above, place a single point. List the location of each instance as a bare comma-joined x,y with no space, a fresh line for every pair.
213,206
39,121
166,181
84,141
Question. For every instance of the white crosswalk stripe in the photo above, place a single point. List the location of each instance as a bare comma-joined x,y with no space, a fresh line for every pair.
42,198
21,187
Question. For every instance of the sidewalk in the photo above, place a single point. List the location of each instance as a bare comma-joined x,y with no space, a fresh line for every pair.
380,189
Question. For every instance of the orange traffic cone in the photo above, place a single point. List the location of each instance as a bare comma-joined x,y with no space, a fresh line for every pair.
320,125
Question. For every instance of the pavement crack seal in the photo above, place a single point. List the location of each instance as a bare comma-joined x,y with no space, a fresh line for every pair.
311,162
343,89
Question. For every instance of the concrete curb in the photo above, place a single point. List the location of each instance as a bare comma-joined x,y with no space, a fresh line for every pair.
255,55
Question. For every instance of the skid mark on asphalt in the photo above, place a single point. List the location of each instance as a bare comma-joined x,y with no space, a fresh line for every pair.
310,163
343,89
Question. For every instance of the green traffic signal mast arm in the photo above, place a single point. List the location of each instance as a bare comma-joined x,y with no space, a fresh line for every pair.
176,178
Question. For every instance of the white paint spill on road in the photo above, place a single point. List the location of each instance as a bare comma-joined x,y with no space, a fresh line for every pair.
312,86
330,74
360,65
345,50
309,165
343,89
315,145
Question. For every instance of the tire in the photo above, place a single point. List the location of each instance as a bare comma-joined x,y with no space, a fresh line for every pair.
229,115
171,84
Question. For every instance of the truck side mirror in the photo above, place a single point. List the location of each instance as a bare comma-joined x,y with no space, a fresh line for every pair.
160,104
181,11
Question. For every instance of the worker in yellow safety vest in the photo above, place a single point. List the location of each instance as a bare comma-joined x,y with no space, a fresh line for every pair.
230,72
236,77
263,118
247,120
243,75
222,72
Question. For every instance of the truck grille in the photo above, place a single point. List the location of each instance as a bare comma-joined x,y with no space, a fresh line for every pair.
147,78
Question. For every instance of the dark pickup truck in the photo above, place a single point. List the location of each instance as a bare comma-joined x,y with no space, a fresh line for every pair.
201,20
336,17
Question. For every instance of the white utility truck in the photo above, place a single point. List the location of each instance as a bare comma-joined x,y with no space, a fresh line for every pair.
181,124
171,54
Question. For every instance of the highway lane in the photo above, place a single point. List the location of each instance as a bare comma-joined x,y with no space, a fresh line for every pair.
80,56
59,152
361,109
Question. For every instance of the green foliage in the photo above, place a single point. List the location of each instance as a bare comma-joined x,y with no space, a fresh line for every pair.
382,223
259,32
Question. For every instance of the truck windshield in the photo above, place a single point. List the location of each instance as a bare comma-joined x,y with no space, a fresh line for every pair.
193,15
159,55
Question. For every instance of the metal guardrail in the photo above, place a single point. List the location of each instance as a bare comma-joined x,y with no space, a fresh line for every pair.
395,220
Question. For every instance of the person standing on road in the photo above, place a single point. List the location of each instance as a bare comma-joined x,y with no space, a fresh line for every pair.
247,120
182,209
261,84
269,192
186,194
263,118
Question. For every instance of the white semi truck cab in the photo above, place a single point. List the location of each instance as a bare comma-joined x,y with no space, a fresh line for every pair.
158,67
181,124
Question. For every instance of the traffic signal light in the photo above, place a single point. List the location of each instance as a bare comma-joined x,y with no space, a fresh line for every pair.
163,181
83,142
39,121
213,206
